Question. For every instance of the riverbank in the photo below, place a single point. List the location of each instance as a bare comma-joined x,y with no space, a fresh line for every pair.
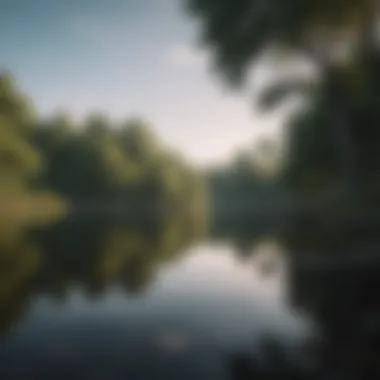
35,208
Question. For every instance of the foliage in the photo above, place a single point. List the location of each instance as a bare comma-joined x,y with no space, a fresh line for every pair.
332,141
98,164
20,162
240,31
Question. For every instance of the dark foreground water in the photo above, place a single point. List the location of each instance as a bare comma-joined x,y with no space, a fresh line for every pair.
93,300
87,307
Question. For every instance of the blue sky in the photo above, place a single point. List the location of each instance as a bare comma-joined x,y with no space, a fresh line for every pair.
127,58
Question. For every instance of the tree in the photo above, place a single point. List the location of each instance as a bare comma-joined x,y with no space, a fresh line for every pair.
338,37
138,140
311,160
15,107
242,30
20,162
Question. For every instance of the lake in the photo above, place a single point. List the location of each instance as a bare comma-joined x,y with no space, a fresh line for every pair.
101,302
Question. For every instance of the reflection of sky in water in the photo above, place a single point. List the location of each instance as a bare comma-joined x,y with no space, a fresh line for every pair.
203,306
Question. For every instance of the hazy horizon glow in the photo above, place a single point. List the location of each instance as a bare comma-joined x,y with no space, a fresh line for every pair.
127,58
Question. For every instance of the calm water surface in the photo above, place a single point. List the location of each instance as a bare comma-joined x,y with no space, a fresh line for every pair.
197,309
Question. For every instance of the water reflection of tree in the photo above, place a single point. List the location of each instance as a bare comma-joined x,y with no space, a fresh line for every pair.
273,363
335,280
19,264
95,254
243,236
91,255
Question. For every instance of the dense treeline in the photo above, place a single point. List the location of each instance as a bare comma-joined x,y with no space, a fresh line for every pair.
96,165
244,195
243,179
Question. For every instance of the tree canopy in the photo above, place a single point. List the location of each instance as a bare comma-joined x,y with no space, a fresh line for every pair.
240,30
94,162
338,127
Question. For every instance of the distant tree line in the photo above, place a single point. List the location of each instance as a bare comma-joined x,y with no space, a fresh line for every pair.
96,164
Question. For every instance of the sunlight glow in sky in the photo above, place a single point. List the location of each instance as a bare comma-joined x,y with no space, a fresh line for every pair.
127,57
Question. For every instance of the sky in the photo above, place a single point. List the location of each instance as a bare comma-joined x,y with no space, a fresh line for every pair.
128,58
